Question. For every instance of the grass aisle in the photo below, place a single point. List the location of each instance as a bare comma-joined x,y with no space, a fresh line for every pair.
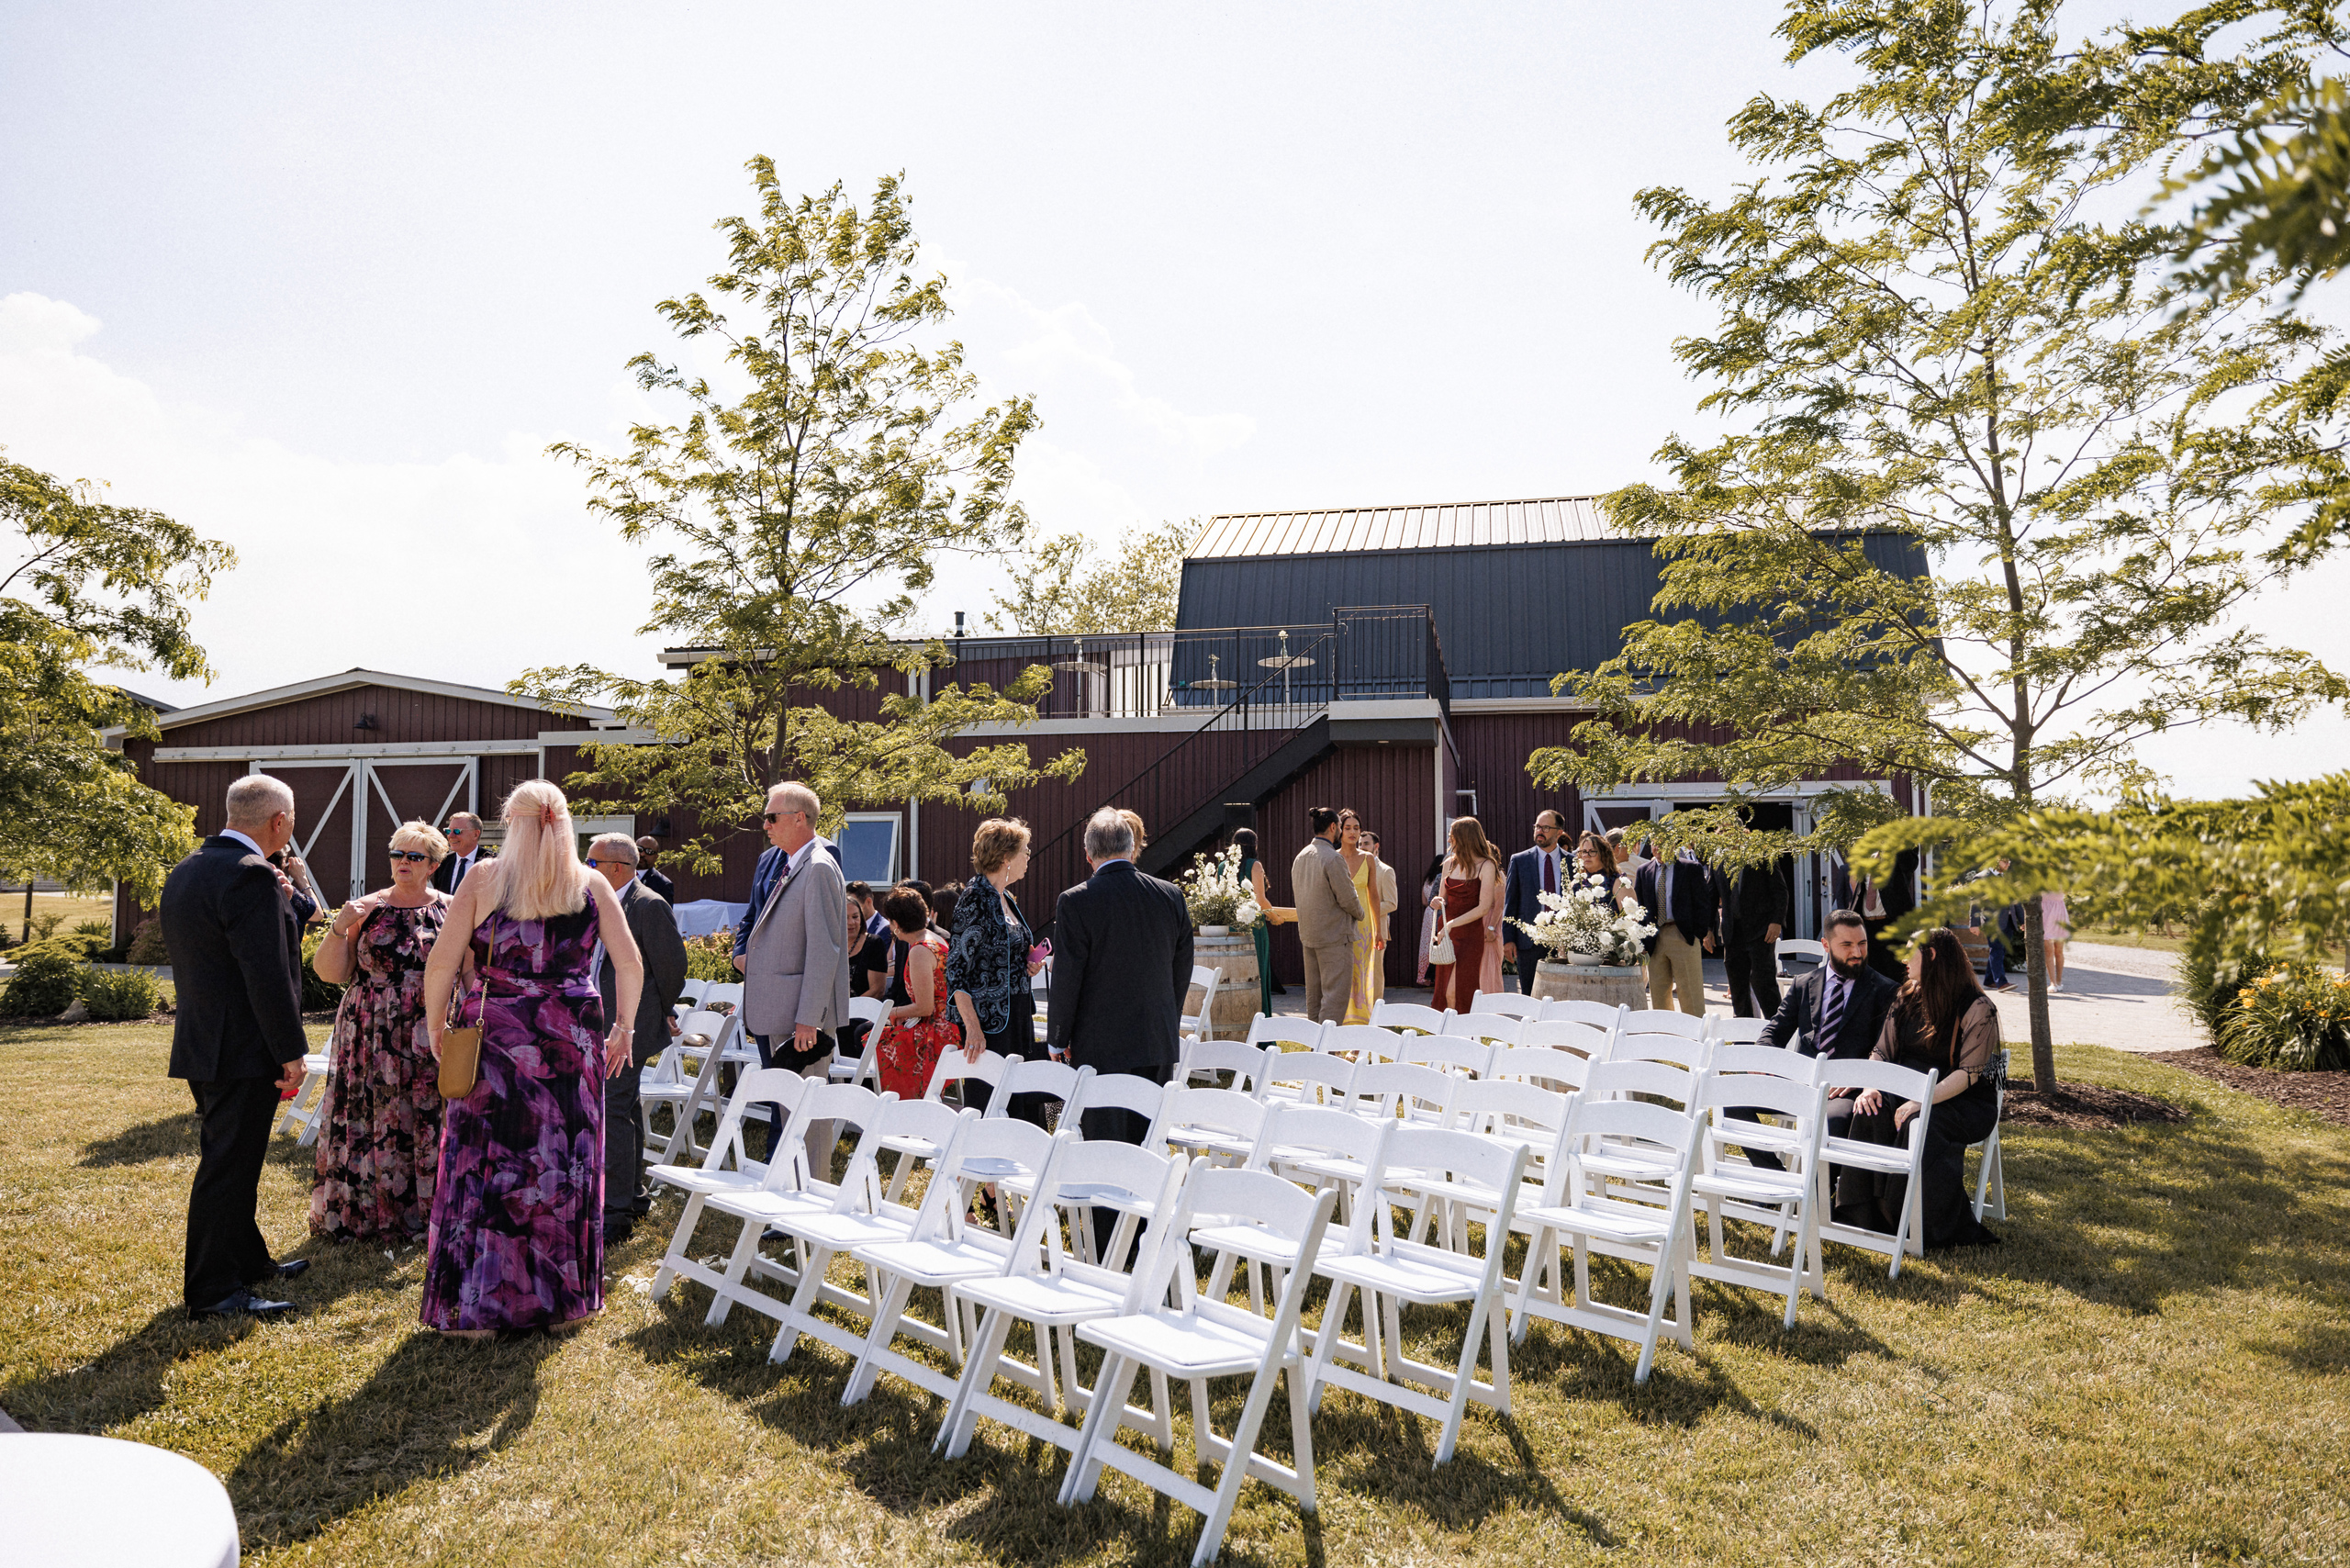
2151,1370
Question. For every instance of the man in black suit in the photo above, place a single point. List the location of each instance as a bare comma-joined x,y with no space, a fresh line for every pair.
1753,902
646,848
1837,1011
464,851
655,926
236,950
1879,906
1680,893
1122,965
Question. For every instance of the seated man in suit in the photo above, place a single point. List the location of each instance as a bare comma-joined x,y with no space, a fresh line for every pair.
1122,964
1532,872
236,948
654,925
1836,1011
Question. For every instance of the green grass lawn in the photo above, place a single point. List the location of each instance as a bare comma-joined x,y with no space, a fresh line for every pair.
2151,1371
2150,940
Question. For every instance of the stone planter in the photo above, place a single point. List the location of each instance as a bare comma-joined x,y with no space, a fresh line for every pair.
1607,984
1233,955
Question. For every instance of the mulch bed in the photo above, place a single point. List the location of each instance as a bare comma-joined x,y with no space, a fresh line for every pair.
2084,1105
2325,1095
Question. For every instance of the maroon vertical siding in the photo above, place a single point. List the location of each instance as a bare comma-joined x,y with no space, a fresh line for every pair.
1494,750
401,717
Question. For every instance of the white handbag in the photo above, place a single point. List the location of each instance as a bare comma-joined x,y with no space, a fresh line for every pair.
1440,949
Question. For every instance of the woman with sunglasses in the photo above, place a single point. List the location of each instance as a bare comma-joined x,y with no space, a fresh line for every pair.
379,1123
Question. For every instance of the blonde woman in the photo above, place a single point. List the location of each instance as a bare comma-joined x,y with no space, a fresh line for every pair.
1369,954
1473,898
379,1122
518,1221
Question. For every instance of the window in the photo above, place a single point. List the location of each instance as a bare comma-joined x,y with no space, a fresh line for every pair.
869,843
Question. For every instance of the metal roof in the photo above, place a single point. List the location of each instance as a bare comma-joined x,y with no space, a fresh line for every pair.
1558,520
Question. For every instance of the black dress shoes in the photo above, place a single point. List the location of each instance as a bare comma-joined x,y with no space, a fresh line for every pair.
243,1303
291,1267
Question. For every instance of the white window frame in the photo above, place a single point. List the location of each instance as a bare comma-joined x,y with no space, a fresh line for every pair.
897,839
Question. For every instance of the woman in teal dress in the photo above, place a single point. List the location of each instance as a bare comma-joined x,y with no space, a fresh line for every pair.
1252,871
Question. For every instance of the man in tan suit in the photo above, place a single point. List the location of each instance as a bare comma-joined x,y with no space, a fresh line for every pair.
1327,912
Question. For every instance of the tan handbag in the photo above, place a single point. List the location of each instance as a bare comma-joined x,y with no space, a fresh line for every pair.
460,1062
1440,952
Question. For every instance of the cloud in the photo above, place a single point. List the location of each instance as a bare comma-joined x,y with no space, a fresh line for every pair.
465,569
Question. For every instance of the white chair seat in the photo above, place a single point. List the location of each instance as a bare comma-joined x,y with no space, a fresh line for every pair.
1891,1158
1600,1223
934,1263
1208,1138
1052,1300
1184,1347
1257,1243
710,1184
1626,1166
770,1206
841,1232
992,1170
1413,1273
1750,1186
921,1149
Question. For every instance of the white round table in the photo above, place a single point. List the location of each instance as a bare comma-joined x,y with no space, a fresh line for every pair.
102,1503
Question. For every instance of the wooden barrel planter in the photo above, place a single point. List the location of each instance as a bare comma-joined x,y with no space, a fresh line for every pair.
1233,955
1605,983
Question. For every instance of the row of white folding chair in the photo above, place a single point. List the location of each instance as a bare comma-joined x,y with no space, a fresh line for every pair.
683,1081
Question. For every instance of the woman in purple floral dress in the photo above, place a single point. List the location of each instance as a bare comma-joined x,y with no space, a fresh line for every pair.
518,1218
379,1122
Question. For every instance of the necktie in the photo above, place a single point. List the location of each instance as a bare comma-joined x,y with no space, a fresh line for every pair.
1549,873
1831,1012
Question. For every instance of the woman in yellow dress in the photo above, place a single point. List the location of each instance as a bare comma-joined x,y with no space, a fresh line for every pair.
1369,954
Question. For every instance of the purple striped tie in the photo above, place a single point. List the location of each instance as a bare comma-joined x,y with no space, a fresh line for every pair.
1831,1012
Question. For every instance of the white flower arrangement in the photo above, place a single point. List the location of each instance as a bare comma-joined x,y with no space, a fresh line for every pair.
1215,893
1587,918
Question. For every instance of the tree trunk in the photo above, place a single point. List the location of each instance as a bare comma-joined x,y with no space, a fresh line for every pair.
2035,966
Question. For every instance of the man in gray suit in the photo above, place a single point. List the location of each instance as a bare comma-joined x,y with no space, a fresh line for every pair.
795,965
1327,912
655,926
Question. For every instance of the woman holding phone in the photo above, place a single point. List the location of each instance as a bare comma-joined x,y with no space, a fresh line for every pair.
994,956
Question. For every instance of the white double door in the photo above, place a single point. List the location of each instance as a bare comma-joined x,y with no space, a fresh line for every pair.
346,808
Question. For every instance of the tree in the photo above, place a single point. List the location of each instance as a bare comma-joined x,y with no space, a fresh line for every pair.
90,584
1053,594
795,522
2000,492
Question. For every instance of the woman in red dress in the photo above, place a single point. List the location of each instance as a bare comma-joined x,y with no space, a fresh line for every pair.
916,1031
1472,890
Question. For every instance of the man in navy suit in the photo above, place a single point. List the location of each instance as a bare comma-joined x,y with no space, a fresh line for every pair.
1532,872
1837,1011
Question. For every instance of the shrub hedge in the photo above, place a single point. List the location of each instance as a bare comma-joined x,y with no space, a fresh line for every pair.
2295,1017
43,985
115,994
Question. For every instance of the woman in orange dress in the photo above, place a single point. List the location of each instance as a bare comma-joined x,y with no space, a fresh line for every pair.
916,1031
1472,895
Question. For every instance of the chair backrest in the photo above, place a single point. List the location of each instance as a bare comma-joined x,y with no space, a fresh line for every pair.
1538,1064
1235,1115
1443,1153
1662,1021
1496,1107
1291,1131
1205,978
1386,1014
1567,1034
1391,1089
1509,1002
1079,1171
1319,1077
1666,1136
842,1104
931,1122
872,1009
714,1027
693,991
953,1067
1498,1028
1037,1075
1780,1096
727,991
1244,1062
1599,1015
761,1086
1284,1031
1116,1091
998,1142
1223,1197
1797,947
1646,1044
1613,1079
1364,1042
1831,1073
1771,1061
1448,1053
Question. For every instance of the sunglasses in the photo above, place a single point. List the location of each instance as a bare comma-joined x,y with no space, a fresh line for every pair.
408,854
772,817
593,861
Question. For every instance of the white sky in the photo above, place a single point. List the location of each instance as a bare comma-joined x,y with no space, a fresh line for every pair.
325,281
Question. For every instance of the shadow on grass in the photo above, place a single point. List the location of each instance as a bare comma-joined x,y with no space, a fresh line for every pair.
434,1408
165,1137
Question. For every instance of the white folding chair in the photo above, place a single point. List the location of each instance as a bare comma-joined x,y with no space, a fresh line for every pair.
1738,1031
1991,1175
1246,1063
1202,1024
309,1099
1137,1096
1448,1053
1581,1210
1598,1014
770,1090
865,1067
1223,1124
690,996
1494,1028
1566,1035
1393,1091
723,994
941,1248
1682,1049
684,1081
1515,1116
1389,1272
1280,1032
1538,1064
1053,1292
1511,1002
1896,1083
1797,947
1781,1199
1386,1014
1311,1078
1204,1337
797,1186
1362,1042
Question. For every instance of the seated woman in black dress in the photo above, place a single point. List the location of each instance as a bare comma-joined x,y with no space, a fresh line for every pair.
1943,1023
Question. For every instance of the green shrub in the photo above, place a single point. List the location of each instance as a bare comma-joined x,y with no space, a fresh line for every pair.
147,944
94,928
2295,1017
711,957
2207,978
318,995
43,985
115,994
44,926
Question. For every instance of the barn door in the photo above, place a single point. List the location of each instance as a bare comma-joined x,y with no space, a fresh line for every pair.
326,801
